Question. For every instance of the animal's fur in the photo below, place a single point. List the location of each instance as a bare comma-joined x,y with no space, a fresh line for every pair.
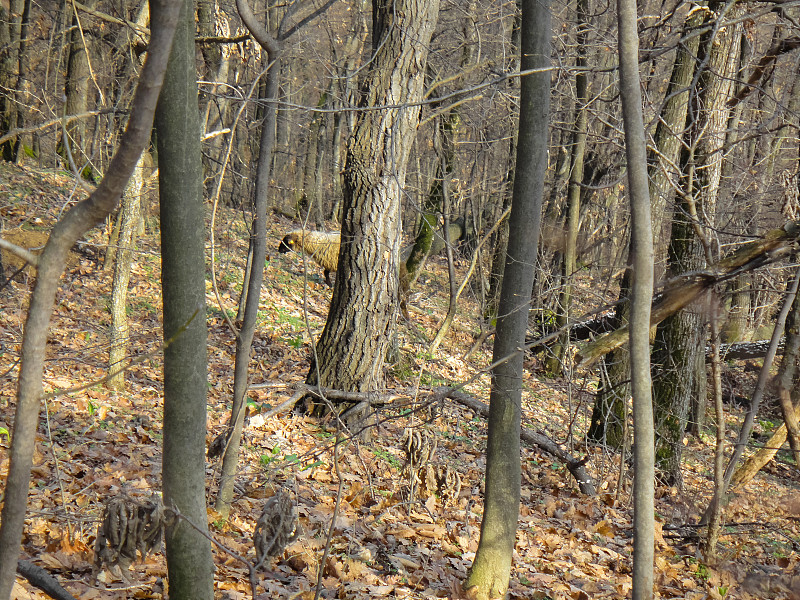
321,246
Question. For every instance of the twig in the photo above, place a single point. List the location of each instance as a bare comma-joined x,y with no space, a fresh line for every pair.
25,254
112,372
68,119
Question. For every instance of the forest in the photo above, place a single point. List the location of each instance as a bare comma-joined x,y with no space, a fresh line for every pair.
345,299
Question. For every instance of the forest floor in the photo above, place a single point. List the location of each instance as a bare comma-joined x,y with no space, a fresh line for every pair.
95,444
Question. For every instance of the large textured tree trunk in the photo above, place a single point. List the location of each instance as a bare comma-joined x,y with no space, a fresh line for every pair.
679,347
491,569
189,562
351,350
77,100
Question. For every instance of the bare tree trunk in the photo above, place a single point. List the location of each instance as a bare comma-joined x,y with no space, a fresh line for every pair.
642,264
498,261
77,100
189,562
680,339
255,274
555,362
79,219
715,512
213,106
309,198
451,272
130,213
607,417
13,24
787,373
491,569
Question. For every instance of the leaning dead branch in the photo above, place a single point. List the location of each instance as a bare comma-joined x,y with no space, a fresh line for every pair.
682,290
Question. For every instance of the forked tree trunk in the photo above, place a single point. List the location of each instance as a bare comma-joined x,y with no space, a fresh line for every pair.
678,349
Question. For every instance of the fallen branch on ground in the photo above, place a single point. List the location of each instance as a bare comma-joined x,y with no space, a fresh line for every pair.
541,441
40,578
535,438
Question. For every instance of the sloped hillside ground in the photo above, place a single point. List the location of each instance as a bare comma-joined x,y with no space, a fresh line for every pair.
94,444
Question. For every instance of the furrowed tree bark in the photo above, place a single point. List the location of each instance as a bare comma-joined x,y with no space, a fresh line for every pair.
77,221
642,259
491,569
680,339
77,99
189,563
351,350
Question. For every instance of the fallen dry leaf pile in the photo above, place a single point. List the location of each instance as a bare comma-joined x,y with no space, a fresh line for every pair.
95,444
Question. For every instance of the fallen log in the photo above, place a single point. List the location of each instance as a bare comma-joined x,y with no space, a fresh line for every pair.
744,350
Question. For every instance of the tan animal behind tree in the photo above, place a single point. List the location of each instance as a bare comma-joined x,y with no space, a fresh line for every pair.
321,246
